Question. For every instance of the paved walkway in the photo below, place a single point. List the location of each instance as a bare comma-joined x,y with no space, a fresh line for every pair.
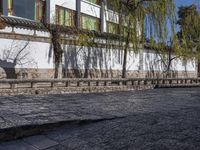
152,119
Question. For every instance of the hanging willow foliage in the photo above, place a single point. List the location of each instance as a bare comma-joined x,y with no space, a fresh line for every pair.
141,19
149,16
189,35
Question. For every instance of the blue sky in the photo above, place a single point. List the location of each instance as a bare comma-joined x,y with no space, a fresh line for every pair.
186,2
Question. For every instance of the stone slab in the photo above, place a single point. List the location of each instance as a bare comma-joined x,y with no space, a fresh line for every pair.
27,115
40,142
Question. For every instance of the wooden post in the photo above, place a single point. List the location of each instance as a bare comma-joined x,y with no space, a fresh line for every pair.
182,81
170,81
145,82
13,85
97,83
52,84
191,81
33,85
66,83
89,84
78,83
152,81
163,81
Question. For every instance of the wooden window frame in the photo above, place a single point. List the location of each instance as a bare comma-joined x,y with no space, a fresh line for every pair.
73,13
10,8
98,21
1,7
117,26
37,14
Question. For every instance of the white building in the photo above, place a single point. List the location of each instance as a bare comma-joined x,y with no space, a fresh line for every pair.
24,32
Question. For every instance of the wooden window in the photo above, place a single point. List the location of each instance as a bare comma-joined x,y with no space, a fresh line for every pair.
90,23
65,17
31,9
10,7
124,31
112,28
40,8
1,7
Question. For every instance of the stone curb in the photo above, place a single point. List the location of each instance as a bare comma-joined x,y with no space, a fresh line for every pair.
177,86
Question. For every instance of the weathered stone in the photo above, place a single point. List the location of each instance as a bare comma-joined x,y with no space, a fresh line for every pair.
152,119
16,145
40,142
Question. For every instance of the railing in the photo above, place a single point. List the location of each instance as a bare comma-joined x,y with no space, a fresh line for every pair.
82,82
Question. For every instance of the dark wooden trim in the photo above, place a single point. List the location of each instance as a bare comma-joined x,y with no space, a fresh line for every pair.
14,36
5,7
78,14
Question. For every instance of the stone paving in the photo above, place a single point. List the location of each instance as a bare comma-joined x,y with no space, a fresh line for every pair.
151,120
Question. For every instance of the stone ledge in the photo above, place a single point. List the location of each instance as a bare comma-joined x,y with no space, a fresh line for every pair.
70,90
177,86
86,89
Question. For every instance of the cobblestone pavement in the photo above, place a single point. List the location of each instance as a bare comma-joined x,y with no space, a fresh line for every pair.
158,119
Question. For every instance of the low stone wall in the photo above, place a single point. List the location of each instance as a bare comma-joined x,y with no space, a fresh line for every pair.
27,73
81,85
70,90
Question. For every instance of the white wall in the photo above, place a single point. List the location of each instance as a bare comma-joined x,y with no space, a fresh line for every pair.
40,55
181,65
152,61
99,58
35,55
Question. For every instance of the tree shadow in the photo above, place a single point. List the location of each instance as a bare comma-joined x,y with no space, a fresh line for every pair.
160,67
87,62
15,54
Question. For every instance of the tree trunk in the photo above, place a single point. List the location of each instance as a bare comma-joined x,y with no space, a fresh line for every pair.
58,52
169,63
87,63
10,73
125,56
124,63
58,66
56,70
